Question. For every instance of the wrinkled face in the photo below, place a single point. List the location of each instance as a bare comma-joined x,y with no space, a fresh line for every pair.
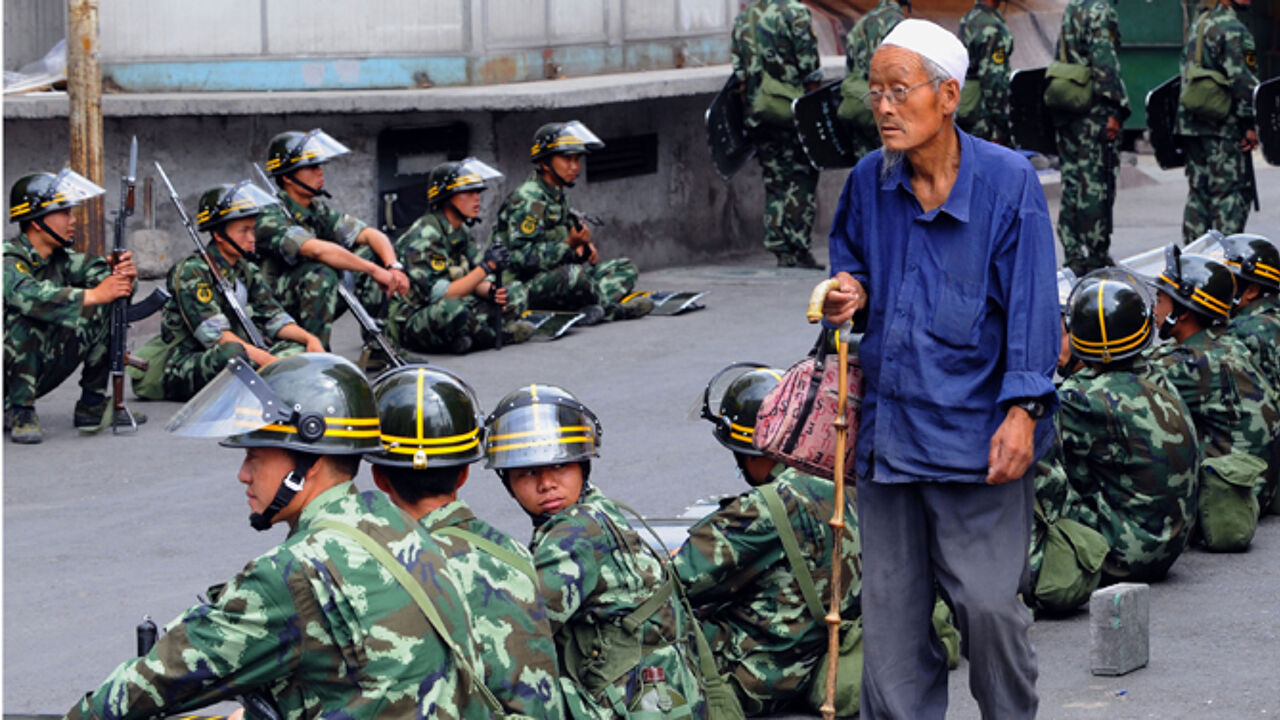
546,489
262,471
240,231
62,222
568,167
924,113
467,203
312,177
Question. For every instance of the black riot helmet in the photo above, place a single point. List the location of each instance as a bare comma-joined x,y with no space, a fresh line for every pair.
1111,316
226,202
540,425
430,418
450,178
571,138
1253,258
731,402
34,196
293,150
1197,283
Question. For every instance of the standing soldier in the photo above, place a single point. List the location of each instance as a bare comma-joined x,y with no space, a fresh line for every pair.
430,436
453,301
859,45
984,102
198,323
550,247
774,39
55,302
1217,136
1088,141
306,244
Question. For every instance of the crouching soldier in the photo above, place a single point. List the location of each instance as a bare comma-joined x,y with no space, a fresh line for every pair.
55,303
430,436
453,300
624,639
199,324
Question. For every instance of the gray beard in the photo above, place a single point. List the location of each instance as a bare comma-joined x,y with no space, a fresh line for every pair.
891,162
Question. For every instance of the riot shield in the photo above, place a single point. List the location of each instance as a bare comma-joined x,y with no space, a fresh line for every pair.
1266,105
1162,121
827,140
726,135
1032,124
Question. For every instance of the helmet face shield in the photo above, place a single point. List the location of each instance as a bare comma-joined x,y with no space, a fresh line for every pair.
290,151
575,133
1208,244
571,138
73,188
468,175
220,205
38,195
709,403
1066,283
236,401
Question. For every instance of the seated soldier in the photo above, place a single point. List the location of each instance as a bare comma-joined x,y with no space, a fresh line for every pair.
453,302
306,245
623,637
319,626
551,248
1128,442
751,600
430,436
55,304
1235,418
198,321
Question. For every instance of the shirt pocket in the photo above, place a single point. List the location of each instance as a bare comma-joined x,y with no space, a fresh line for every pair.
956,310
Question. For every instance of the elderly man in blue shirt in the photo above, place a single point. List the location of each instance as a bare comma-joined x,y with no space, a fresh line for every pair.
943,249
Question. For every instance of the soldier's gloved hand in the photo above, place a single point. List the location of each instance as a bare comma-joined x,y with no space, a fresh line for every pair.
497,257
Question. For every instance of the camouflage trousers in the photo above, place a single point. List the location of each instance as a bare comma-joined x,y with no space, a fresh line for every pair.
790,191
571,286
39,356
309,292
1089,171
186,372
1216,187
437,326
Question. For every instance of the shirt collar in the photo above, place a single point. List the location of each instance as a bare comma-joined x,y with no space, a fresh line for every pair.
958,201
455,513
552,190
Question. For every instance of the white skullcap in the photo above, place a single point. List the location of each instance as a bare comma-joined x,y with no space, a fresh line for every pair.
934,42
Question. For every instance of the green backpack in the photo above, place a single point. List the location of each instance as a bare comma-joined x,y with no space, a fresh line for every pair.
1072,566
1228,508
1205,93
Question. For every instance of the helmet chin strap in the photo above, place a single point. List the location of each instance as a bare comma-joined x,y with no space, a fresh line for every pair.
48,231
1166,327
289,487
540,519
551,169
315,192
246,254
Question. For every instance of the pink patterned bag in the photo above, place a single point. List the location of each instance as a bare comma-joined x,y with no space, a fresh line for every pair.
794,424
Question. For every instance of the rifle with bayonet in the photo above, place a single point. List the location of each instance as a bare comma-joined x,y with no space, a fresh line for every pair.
224,286
122,417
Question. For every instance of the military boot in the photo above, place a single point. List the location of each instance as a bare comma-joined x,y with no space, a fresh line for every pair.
460,345
591,315
93,414
517,331
25,428
805,259
632,308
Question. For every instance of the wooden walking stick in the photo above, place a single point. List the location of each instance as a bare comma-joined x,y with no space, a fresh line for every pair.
841,425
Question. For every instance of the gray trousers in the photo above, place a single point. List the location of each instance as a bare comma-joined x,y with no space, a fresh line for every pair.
973,540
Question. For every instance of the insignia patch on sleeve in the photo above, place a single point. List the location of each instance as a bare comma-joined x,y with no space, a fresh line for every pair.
439,262
204,293
997,57
1251,58
22,268
529,224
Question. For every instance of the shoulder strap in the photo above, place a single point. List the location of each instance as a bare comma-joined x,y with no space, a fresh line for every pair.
1204,20
787,535
419,596
490,547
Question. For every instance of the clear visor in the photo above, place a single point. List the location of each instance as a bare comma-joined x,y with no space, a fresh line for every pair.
319,146
246,196
541,434
1208,245
1114,274
1066,281
1148,265
72,187
581,133
707,405
476,170
237,401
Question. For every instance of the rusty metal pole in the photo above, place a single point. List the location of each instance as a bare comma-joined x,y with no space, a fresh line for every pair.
84,88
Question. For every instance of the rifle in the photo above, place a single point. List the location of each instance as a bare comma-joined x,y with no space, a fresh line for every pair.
122,416
497,316
228,292
579,218
1253,180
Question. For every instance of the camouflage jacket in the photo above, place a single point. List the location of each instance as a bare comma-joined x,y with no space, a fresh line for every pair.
534,223
865,36
990,44
1229,48
508,617
774,37
282,229
739,580
434,255
1257,326
1129,450
49,290
318,623
594,572
1091,36
198,314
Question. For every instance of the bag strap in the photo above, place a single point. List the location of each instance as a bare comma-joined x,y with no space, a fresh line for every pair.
819,353
506,556
419,596
1204,20
787,535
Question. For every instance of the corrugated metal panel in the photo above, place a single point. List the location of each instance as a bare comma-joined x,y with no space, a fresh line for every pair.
138,29
369,27
31,27
649,18
515,23
577,21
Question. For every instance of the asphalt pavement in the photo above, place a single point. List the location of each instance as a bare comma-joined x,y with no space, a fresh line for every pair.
100,530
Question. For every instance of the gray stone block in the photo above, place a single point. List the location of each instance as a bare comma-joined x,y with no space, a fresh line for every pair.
1119,629
151,252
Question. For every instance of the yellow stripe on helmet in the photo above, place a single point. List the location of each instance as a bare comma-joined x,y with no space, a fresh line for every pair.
530,433
22,209
1210,302
538,443
402,449
741,428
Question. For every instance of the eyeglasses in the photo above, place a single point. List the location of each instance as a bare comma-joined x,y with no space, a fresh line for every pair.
896,94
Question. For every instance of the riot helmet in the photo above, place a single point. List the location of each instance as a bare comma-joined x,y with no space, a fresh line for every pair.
1253,258
571,138
731,402
430,418
1111,316
226,202
540,425
451,178
34,196
293,150
1197,283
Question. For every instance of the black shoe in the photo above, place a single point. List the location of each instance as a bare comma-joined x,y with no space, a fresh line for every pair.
807,261
591,315
25,427
786,259
90,414
461,345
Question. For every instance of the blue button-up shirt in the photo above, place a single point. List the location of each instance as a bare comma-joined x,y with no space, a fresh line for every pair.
962,311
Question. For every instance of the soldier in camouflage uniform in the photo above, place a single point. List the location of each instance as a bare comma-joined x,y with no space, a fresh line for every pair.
307,245
318,624
1218,193
550,247
622,634
430,436
198,323
453,301
1128,441
734,568
860,44
775,38
56,304
1088,143
990,44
